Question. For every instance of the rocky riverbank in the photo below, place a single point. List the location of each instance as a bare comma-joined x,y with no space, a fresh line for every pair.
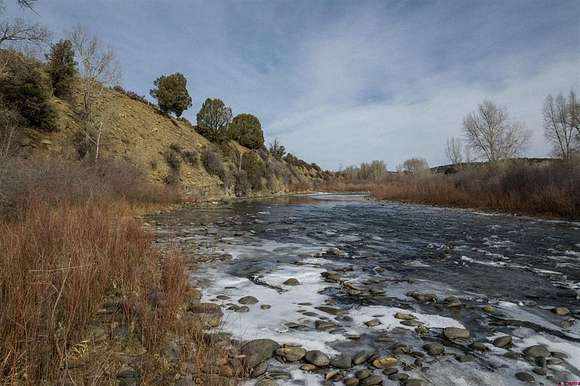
304,296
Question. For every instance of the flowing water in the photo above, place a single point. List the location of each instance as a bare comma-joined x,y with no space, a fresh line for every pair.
377,255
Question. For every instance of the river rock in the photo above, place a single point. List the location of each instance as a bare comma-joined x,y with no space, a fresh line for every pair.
292,281
390,371
308,367
488,308
453,302
372,380
336,252
341,362
260,369
434,349
331,310
257,351
265,306
455,333
248,300
317,358
242,309
423,297
291,354
373,323
561,311
525,377
361,357
351,382
465,358
324,325
266,382
503,341
387,361
414,382
537,350
404,316
540,370
364,373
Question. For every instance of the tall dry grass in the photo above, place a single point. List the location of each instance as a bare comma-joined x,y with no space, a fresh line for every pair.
549,189
68,241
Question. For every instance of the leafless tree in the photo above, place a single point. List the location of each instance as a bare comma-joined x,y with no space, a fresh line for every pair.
98,69
574,112
454,150
22,32
492,135
559,125
416,166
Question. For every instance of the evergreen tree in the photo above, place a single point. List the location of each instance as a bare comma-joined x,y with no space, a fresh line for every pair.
247,130
213,120
171,93
62,68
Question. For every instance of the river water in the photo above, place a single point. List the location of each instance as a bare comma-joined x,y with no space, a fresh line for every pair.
378,253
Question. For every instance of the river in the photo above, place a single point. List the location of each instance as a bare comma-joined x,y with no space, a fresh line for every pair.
357,260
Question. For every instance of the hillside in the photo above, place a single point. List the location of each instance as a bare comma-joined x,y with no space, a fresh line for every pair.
167,150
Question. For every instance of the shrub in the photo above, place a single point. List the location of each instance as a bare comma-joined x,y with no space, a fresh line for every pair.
214,164
191,157
26,88
61,68
277,150
255,169
173,160
247,130
171,93
213,119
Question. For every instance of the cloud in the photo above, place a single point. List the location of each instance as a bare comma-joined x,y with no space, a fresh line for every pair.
344,82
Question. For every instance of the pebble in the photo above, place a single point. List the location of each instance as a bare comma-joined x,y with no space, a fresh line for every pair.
540,370
488,308
291,354
265,306
341,362
465,358
248,300
537,350
317,358
455,333
404,316
351,382
413,382
364,373
525,377
292,281
434,349
390,371
373,323
503,341
561,311
266,382
372,380
361,357
388,361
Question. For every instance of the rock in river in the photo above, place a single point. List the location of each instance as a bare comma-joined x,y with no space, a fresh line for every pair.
341,362
434,348
266,382
209,313
292,281
525,377
537,350
317,358
248,300
291,354
404,316
561,311
361,357
373,323
257,351
455,333
388,361
372,380
423,297
503,341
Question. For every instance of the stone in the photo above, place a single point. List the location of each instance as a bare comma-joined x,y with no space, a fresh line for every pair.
455,333
434,349
362,374
465,358
554,361
351,381
361,357
424,297
537,350
317,358
390,371
308,367
373,323
257,351
265,306
331,310
292,281
560,355
323,325
260,369
127,373
540,370
266,382
561,311
248,300
414,382
291,354
387,361
488,308
372,380
335,252
479,346
404,316
525,377
341,362
503,341
411,323
242,309
401,377
331,374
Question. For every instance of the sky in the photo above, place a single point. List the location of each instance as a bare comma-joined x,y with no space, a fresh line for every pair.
341,82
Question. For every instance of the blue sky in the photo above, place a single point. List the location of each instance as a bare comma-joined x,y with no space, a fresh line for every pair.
340,82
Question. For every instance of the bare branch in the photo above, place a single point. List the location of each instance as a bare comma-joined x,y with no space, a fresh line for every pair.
20,31
453,150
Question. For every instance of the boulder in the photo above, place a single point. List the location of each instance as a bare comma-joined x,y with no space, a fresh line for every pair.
248,300
291,354
292,281
537,350
317,358
503,341
257,351
434,348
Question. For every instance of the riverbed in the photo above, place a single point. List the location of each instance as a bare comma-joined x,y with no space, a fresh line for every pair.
388,279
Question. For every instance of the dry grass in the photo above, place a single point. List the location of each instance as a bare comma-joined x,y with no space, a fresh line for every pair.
551,189
70,244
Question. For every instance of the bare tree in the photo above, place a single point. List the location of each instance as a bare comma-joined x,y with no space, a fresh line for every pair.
98,69
9,122
453,150
20,31
416,166
492,135
574,112
558,125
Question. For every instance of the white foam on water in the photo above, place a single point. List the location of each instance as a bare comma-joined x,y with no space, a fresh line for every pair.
386,315
553,344
490,263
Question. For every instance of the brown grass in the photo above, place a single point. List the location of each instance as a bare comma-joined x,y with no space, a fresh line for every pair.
69,243
551,189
